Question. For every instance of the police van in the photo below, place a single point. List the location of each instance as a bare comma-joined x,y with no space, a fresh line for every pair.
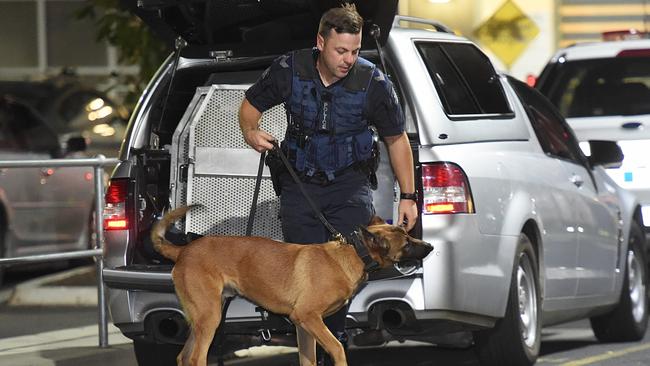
527,230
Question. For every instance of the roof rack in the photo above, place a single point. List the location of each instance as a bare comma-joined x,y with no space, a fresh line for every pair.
437,25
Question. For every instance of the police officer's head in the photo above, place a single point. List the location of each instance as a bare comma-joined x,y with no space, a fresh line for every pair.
339,41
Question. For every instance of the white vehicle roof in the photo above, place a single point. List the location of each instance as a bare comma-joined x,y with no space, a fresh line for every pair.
605,49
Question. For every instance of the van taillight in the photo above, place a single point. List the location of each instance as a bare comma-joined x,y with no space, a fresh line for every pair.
115,205
445,189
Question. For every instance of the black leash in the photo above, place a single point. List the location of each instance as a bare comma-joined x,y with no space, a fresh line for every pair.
355,239
256,193
335,233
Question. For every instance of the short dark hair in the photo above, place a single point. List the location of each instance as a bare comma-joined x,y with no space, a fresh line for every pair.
344,19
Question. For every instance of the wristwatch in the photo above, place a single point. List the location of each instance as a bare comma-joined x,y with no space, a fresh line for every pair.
409,196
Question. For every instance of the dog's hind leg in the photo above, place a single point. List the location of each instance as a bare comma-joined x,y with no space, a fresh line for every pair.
312,322
201,301
306,347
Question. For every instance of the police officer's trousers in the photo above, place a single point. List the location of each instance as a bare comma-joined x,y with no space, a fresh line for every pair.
346,203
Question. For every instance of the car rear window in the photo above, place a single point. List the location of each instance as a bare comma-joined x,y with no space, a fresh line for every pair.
600,87
464,78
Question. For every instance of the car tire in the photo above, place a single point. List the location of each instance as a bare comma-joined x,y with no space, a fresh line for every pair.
149,353
629,320
515,340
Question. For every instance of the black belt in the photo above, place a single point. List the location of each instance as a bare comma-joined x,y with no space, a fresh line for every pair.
320,177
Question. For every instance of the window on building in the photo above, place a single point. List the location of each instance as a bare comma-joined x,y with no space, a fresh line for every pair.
18,34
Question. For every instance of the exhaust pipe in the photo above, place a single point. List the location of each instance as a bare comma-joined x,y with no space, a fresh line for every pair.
167,327
393,318
393,315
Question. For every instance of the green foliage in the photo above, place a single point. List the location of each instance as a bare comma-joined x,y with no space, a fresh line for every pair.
135,43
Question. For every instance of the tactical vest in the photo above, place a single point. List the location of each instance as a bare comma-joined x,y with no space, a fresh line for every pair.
327,130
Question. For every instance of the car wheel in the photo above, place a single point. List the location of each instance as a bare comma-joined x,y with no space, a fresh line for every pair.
629,320
148,353
515,339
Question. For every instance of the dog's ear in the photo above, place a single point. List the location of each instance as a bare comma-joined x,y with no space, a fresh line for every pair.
376,220
373,241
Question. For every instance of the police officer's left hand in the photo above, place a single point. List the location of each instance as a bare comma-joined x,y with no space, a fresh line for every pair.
407,214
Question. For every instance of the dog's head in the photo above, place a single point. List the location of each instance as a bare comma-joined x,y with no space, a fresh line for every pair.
389,244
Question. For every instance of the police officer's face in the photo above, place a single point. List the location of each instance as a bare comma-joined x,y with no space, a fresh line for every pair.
338,53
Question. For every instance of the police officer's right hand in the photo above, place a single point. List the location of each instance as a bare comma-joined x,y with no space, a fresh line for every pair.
258,139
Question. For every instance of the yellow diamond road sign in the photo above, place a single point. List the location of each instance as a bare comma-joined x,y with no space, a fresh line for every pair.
507,32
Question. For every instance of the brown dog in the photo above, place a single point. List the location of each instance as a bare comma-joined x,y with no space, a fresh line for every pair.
304,282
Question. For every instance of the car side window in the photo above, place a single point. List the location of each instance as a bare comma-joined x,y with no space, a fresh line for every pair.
464,78
555,136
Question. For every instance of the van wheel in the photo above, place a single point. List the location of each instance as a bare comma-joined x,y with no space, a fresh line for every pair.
629,320
155,354
515,339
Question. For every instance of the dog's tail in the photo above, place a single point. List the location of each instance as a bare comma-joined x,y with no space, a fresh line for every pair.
160,243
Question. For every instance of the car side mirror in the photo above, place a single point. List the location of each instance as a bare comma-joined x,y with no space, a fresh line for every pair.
605,153
75,144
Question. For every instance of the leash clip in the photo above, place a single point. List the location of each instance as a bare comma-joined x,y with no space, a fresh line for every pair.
340,238
266,335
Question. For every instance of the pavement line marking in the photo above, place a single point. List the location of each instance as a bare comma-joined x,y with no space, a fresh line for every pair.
71,337
606,356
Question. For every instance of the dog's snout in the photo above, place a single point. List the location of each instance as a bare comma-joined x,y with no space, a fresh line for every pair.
416,250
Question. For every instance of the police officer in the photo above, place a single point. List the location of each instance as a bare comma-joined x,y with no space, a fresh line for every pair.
332,97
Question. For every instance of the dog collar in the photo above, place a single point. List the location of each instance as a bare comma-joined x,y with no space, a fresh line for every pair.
370,265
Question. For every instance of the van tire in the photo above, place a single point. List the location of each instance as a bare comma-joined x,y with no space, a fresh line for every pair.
148,353
505,345
628,321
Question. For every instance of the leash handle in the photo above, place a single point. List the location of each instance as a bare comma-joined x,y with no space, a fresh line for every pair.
337,235
256,193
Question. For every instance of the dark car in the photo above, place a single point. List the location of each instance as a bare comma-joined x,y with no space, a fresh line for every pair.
74,109
42,209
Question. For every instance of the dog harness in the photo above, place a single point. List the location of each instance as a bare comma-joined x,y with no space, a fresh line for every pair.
327,130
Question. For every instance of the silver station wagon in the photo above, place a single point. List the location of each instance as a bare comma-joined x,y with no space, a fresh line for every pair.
527,231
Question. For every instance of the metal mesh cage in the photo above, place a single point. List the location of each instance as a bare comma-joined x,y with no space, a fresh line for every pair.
226,199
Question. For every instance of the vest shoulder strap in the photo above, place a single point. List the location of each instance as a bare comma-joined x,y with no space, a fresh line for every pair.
303,64
360,76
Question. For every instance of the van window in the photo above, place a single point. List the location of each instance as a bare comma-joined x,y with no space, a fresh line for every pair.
600,87
464,78
553,133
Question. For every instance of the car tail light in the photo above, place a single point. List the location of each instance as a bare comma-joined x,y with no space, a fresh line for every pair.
445,189
115,205
531,80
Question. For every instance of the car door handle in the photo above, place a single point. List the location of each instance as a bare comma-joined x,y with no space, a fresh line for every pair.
632,125
577,180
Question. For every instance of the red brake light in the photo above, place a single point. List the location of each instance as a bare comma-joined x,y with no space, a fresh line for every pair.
531,80
445,189
115,205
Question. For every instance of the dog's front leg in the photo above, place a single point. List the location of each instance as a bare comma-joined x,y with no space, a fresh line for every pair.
312,322
306,347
